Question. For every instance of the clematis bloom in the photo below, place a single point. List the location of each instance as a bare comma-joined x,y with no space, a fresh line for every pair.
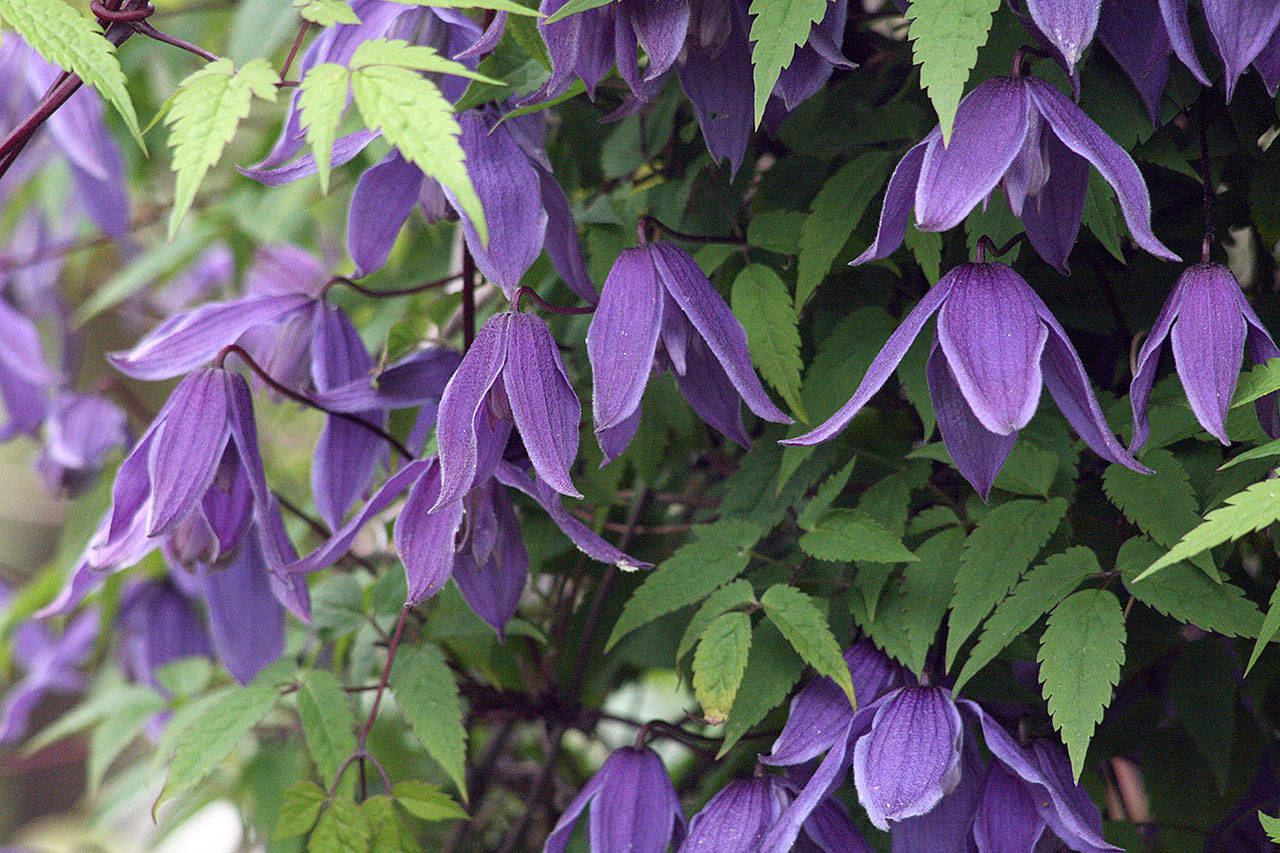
996,345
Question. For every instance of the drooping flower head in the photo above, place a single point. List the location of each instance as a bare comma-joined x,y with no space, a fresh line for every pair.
1210,327
1021,134
996,345
49,665
79,433
657,300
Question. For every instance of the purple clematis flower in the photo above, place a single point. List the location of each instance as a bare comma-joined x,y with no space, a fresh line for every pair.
1209,324
79,433
657,297
1024,135
996,344
159,624
1068,25
50,667
1142,35
633,806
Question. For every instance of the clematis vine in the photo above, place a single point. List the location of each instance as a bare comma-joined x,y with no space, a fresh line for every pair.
49,665
996,345
1021,134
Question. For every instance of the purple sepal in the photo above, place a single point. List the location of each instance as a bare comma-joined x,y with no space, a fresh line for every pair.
79,433
492,568
1240,30
1067,24
1142,51
50,667
383,199
719,85
159,625
425,537
246,622
736,819
1006,818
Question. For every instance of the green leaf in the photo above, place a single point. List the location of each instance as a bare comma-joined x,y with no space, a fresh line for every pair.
343,828
850,534
327,723
203,116
72,41
825,496
322,97
1163,505
117,731
1204,694
99,705
390,835
398,53
1100,215
1270,825
299,808
833,215
326,13
156,262
1184,593
417,119
427,696
1081,651
1245,512
804,626
773,668
776,231
996,554
1035,595
945,38
727,597
763,306
1270,625
496,5
778,28
573,7
427,802
926,248
1262,451
718,554
719,663
1256,383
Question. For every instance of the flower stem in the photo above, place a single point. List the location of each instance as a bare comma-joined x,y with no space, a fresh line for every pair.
522,292
646,225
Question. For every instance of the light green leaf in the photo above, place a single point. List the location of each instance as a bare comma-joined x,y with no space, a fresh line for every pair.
762,304
773,668
573,7
1081,651
805,627
416,118
427,696
117,731
945,38
72,41
203,116
1256,383
718,554
1262,451
327,723
1035,595
427,802
850,534
996,554
322,97
326,13
343,828
727,597
825,496
1270,625
719,663
496,5
99,705
1271,826
159,260
833,215
778,28
1245,512
390,835
398,53
299,808
1184,593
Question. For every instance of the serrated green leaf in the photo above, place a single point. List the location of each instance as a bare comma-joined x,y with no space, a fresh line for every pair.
773,668
326,13
1184,593
945,38
926,248
849,534
203,116
343,828
1081,651
99,705
417,119
778,28
1163,505
1100,215
427,696
1256,383
802,623
1035,595
718,554
72,41
573,7
398,53
496,5
327,724
762,304
825,496
833,215
996,554
719,662
427,802
727,597
1270,825
1270,625
117,731
299,808
390,834
1245,512
1262,451
322,97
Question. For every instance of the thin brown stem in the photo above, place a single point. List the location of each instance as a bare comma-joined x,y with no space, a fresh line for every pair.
293,51
389,292
522,292
468,299
646,224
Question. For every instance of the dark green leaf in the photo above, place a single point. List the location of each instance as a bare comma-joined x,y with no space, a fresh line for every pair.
802,623
1184,593
328,725
848,534
427,696
773,668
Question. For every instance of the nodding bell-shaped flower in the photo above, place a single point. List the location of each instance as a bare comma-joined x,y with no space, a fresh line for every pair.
50,667
1068,25
1024,135
1210,325
633,806
996,345
657,300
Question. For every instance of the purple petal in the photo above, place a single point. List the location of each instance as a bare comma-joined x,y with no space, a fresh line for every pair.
245,620
1268,64
899,197
661,27
488,41
633,810
283,269
885,362
1006,820
580,45
719,84
990,126
992,337
558,839
736,819
946,826
1144,375
1174,15
415,380
562,239
543,404
159,625
425,537
710,392
1068,24
1079,133
824,780
1142,51
1240,30
1261,349
345,149
623,336
911,757
979,454
244,433
79,433
493,579
1052,216
462,403
1208,343
711,317
383,199
830,828
20,350
187,449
